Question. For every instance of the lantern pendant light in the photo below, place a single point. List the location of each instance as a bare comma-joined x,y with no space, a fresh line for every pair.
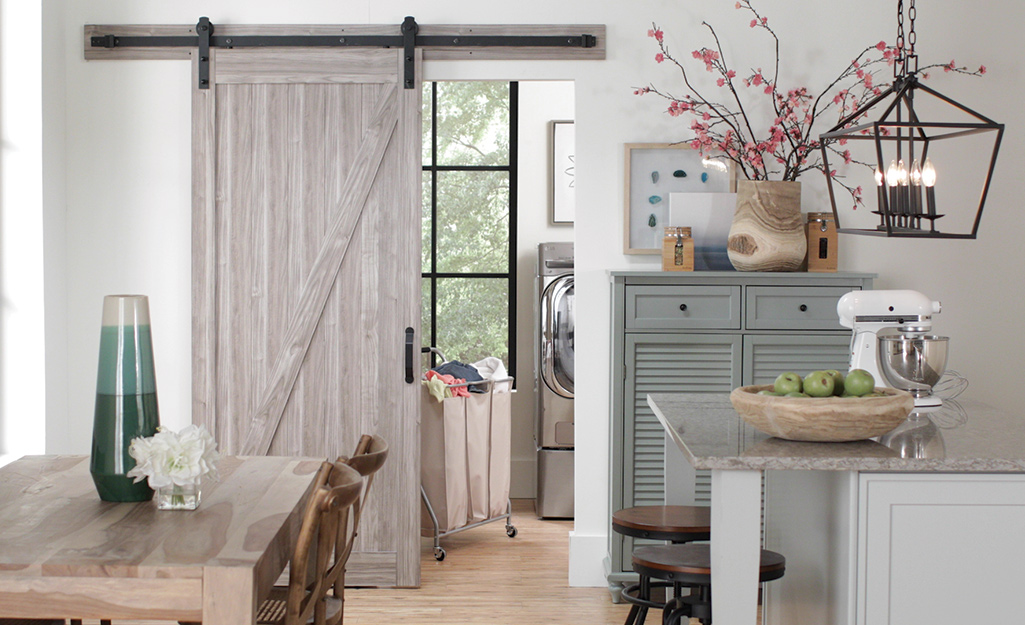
906,178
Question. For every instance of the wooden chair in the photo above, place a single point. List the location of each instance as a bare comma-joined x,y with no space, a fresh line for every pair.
370,455
305,599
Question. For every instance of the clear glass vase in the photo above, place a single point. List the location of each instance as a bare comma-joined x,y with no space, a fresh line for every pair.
176,497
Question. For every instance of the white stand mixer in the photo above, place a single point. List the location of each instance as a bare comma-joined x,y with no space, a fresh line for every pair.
910,360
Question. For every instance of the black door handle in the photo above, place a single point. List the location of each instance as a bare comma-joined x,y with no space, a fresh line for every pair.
409,356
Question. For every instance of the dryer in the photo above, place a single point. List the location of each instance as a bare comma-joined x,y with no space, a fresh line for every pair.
554,385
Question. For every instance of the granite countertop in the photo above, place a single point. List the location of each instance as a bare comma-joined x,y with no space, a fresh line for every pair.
962,436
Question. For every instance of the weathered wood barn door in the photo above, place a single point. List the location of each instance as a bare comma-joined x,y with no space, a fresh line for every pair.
306,237
306,220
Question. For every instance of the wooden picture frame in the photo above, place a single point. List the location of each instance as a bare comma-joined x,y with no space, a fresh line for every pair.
563,172
640,162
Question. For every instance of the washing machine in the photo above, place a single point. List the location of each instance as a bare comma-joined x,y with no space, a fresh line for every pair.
554,356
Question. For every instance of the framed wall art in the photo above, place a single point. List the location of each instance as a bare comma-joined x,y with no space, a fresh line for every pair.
563,179
653,172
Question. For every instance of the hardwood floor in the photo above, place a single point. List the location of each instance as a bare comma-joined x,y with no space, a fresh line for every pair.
492,579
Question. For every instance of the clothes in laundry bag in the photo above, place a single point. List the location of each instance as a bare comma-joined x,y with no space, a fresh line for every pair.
493,369
462,370
436,388
458,391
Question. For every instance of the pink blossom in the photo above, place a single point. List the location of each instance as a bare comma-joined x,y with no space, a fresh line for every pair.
720,82
695,144
881,46
733,74
768,88
847,157
765,20
659,57
696,54
982,69
754,23
756,79
949,66
738,5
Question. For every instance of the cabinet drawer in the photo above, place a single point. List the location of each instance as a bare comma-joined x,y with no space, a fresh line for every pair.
683,307
793,308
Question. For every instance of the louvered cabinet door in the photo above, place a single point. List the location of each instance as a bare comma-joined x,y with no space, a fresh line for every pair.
767,356
665,363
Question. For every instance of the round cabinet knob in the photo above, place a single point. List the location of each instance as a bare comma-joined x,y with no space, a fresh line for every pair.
804,308
683,307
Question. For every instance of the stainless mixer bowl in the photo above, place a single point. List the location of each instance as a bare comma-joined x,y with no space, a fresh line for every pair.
913,364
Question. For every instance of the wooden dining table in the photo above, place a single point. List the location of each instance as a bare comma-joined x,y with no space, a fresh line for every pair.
64,553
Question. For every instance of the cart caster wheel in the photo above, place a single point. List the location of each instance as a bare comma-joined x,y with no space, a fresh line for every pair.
439,554
510,531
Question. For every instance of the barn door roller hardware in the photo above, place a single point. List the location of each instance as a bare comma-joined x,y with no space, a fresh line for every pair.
408,39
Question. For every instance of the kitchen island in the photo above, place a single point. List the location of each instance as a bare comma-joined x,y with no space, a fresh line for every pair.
926,525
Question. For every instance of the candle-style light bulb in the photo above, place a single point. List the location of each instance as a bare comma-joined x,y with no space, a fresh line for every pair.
902,172
929,180
928,174
916,191
879,177
892,176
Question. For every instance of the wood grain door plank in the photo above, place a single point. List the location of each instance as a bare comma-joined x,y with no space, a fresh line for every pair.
321,279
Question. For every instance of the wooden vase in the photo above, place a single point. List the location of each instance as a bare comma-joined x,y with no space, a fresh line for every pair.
767,233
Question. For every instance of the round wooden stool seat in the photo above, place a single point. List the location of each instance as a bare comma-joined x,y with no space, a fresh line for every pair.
692,565
673,523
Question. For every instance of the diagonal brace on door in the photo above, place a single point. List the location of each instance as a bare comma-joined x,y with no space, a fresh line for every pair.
408,39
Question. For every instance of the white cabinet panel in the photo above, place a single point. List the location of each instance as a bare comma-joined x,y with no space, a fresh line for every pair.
923,540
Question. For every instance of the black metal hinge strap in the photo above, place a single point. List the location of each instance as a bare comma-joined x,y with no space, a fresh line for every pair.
204,31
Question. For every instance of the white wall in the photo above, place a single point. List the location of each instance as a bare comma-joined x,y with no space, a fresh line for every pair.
541,102
127,180
22,338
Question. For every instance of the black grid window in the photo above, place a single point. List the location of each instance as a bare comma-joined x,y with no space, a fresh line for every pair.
469,220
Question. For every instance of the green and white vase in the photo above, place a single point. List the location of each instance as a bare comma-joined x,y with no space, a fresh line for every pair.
126,397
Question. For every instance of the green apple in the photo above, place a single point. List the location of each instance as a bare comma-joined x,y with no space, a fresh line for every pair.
797,394
859,382
818,384
767,392
788,382
837,381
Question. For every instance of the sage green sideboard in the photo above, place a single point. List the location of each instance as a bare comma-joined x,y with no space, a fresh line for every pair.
707,331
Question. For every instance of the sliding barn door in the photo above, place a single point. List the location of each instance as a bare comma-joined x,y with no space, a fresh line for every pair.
306,265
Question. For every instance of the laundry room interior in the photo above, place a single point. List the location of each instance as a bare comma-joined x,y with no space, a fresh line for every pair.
526,201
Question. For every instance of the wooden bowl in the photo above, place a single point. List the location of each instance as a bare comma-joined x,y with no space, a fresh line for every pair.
822,419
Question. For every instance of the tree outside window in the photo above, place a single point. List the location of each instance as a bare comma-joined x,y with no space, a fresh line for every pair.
469,217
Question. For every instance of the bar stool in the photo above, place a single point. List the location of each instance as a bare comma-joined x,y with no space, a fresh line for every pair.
692,565
676,524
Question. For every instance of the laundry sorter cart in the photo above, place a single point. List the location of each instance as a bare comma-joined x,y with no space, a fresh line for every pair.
465,459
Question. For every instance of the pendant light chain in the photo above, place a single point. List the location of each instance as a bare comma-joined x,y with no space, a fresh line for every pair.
906,61
899,63
912,57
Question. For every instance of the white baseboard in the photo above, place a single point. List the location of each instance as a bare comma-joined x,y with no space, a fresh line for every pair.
585,560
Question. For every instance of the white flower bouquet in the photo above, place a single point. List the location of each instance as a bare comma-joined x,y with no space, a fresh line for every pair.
175,463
